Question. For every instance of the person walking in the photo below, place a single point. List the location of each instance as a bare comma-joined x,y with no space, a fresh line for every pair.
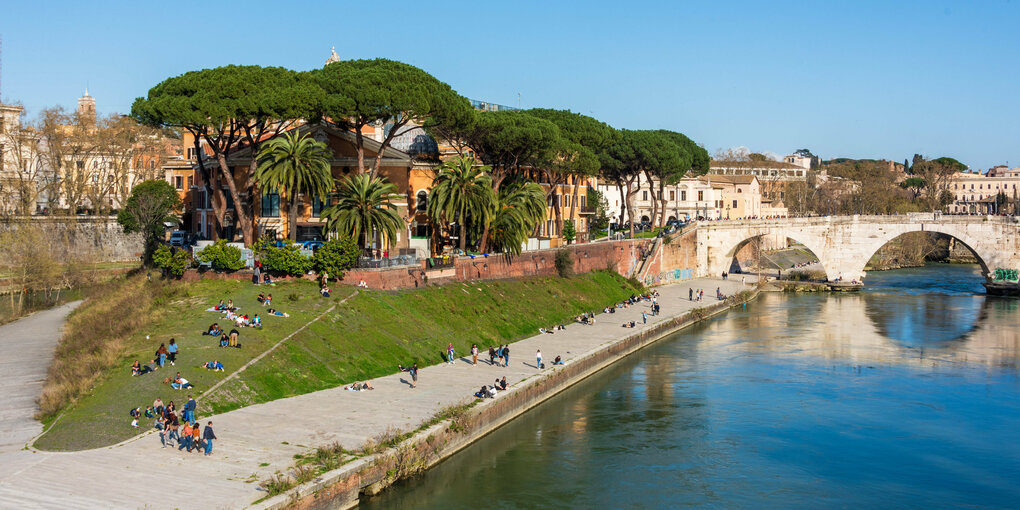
644,318
506,355
492,355
538,359
474,354
162,353
185,437
690,294
413,371
449,354
208,435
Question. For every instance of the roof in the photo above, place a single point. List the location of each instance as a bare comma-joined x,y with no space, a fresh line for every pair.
728,179
752,164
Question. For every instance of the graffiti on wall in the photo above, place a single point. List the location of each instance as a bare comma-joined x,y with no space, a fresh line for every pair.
1005,275
674,275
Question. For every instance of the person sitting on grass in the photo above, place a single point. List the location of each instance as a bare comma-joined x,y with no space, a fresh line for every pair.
262,297
149,413
324,291
272,311
214,365
136,368
181,383
150,367
220,306
269,300
135,414
224,340
256,321
214,330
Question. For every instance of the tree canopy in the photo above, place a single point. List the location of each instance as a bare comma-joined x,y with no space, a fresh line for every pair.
151,204
360,93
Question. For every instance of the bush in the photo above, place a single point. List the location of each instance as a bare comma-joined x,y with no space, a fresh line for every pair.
172,262
222,256
286,259
569,232
336,257
564,263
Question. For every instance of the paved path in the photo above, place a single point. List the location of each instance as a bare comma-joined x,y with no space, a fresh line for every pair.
126,476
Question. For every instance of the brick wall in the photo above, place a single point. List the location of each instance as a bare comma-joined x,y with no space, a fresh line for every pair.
619,256
677,260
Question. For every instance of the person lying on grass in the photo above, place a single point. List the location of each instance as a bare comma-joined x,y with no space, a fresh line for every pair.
180,383
214,365
273,311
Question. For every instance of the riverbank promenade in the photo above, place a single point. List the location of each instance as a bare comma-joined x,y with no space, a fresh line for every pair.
257,441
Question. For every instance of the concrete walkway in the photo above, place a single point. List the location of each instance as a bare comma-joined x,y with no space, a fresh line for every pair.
259,440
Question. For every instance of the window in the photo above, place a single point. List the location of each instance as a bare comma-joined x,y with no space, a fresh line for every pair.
683,196
701,196
644,195
152,164
421,202
672,196
191,153
734,204
271,205
583,199
318,205
179,182
739,190
191,181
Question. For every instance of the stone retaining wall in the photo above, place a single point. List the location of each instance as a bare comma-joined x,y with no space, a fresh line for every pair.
92,238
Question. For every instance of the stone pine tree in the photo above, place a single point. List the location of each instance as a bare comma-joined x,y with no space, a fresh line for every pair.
151,204
228,109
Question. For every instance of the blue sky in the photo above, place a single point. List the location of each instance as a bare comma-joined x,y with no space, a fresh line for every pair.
849,79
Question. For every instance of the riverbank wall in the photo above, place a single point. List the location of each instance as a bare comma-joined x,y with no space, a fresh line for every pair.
344,487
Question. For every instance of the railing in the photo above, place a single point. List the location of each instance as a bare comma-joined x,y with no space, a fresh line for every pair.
399,260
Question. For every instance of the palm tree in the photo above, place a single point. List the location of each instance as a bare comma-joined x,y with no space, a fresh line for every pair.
461,191
520,208
296,165
364,207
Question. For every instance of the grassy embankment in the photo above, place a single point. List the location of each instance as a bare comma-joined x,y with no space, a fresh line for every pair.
89,384
363,338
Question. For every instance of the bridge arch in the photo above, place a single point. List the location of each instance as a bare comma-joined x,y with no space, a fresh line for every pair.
813,245
947,230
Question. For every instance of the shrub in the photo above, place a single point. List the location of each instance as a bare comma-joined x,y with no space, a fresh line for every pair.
222,256
569,232
564,263
336,257
172,262
286,259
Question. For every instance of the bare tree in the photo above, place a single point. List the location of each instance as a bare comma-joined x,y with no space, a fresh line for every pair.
23,173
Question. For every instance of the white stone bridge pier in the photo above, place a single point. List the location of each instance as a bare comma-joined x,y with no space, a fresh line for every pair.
844,244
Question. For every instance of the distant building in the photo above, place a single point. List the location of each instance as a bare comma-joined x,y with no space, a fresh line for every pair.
975,193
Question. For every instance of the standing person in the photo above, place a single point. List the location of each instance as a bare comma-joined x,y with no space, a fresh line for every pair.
196,437
449,354
413,371
255,275
161,352
538,359
506,355
644,318
208,435
690,294
172,352
161,425
185,437
492,355
189,410
474,354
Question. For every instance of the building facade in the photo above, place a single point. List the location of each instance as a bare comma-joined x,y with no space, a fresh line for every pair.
994,192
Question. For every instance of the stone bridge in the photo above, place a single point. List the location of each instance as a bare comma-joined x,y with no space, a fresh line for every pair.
844,244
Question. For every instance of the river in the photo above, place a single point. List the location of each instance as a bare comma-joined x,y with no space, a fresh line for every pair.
904,395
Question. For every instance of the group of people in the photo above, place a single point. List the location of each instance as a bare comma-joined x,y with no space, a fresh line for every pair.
257,272
490,391
168,422
161,357
265,300
226,339
554,329
587,318
695,295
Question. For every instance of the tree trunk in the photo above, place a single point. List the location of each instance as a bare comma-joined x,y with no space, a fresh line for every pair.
573,203
241,215
630,208
462,232
662,202
623,203
292,216
359,144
